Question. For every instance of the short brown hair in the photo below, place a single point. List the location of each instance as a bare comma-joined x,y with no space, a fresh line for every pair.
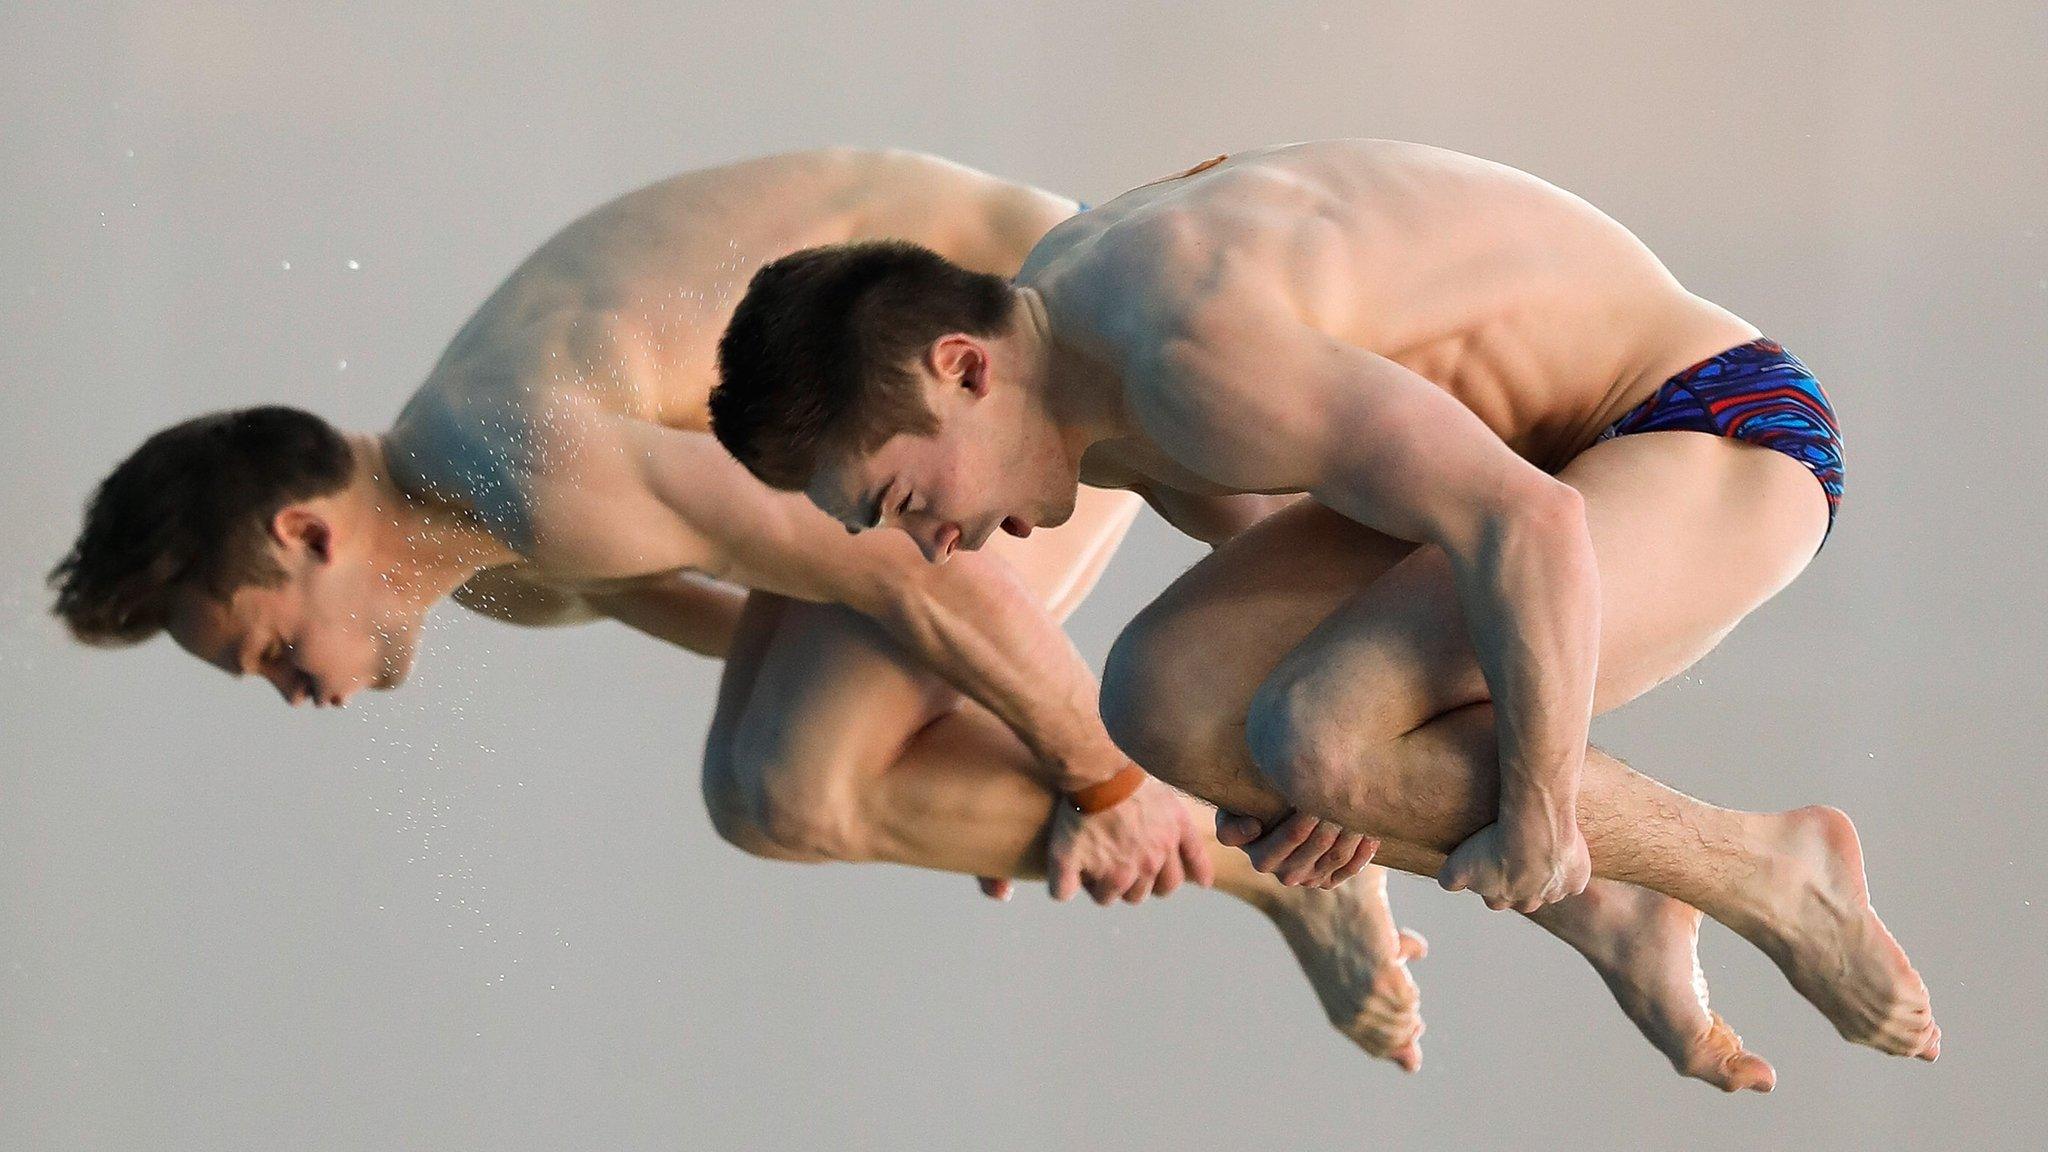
190,508
816,359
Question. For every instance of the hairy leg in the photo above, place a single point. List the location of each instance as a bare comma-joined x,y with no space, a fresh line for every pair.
1171,700
1379,718
829,744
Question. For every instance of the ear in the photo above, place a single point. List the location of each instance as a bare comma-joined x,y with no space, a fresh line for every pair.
299,526
959,359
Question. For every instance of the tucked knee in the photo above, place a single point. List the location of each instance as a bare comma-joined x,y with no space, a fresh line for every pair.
1305,751
1157,713
763,802
1130,697
735,813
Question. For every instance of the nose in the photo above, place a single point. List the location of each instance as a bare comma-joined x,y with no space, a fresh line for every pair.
938,542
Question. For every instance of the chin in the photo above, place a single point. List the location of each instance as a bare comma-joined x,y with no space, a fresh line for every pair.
1060,511
395,668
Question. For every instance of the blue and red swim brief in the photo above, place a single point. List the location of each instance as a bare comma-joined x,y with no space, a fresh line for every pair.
1755,392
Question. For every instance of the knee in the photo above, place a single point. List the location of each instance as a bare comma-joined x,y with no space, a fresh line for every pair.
734,808
1304,749
765,804
1154,708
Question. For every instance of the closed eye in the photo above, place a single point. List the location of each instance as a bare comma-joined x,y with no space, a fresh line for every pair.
903,505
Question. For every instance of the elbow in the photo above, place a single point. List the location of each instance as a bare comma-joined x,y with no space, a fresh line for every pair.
1543,514
1560,512
904,610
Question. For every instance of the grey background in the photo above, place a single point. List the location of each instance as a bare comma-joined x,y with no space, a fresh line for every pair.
488,912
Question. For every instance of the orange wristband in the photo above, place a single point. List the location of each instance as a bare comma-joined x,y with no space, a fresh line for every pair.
1109,793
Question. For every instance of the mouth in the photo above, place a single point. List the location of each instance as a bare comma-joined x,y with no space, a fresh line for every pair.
1017,526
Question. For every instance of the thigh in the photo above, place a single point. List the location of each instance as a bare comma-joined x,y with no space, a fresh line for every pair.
831,689
821,684
1182,676
1691,533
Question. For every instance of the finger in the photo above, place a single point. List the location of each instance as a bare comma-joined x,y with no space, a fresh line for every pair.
1195,855
1170,876
1452,877
994,887
1300,866
1141,883
1268,851
1065,882
1235,831
1367,847
1496,903
1339,854
1107,889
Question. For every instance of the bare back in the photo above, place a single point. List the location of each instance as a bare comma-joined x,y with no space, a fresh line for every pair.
1537,312
547,406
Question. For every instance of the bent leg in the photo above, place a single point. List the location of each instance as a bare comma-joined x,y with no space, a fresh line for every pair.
1380,720
1181,681
818,706
843,751
831,744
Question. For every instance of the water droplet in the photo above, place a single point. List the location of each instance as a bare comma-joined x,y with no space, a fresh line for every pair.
287,265
354,267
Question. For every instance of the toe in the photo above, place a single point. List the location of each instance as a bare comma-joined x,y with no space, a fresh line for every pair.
1413,946
1748,1072
1719,1058
1409,1056
1931,1050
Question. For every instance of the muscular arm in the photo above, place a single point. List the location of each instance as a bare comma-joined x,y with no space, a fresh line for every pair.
1210,519
676,499
690,611
1262,402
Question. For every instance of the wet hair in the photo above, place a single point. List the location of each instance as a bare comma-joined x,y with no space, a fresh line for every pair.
818,357
191,508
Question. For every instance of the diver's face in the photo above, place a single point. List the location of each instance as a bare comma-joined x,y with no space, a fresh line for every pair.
988,467
328,630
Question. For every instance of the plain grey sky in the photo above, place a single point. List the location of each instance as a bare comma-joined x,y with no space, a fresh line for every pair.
487,912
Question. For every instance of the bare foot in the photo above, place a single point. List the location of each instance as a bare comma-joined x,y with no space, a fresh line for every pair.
1357,962
1830,944
1646,948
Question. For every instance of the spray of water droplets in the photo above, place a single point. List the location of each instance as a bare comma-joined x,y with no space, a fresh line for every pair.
432,778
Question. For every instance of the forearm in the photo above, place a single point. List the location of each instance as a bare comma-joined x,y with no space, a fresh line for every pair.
685,609
1212,519
1531,595
975,624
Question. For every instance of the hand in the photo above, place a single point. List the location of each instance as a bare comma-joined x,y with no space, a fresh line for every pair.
1520,864
1300,851
1147,845
995,887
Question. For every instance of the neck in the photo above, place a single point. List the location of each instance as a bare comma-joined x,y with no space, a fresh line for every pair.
424,548
1080,389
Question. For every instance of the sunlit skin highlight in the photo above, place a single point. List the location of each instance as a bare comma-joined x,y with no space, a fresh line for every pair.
556,467
1427,346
